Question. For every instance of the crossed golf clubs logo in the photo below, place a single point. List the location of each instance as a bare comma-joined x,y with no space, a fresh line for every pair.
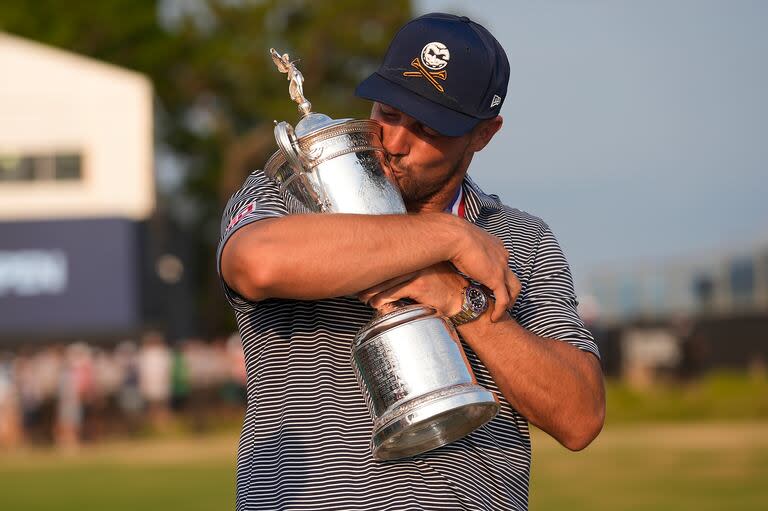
434,57
431,76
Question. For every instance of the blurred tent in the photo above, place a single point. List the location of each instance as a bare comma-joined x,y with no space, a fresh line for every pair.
216,89
76,191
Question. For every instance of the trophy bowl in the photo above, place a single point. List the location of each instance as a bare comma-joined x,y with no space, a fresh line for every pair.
417,382
341,170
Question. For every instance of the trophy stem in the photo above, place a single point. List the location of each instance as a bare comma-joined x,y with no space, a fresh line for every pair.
305,107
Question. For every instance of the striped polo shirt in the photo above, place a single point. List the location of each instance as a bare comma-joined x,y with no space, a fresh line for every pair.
305,442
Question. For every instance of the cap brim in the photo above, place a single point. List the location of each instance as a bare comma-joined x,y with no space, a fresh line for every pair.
441,119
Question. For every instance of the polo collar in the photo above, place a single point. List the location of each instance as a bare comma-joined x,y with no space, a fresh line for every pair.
477,201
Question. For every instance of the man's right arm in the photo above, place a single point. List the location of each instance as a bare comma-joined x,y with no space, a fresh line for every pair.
314,256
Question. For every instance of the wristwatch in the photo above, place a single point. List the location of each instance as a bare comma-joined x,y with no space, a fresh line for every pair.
474,305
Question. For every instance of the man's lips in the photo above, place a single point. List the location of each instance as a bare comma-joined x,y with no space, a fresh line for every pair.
395,176
393,169
390,171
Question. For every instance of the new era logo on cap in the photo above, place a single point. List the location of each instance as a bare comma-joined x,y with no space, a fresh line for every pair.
444,70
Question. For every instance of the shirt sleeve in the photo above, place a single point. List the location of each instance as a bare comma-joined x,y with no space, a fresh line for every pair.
259,198
547,305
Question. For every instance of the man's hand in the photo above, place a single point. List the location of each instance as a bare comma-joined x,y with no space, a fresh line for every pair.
484,258
438,285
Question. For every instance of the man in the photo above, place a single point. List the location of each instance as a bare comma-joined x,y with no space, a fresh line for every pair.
292,279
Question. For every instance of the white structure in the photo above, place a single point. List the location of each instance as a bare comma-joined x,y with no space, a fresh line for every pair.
75,136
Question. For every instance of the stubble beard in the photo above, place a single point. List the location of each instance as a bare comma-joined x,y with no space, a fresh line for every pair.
416,193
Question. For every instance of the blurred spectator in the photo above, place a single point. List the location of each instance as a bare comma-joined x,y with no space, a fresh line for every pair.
128,395
155,377
76,388
30,390
106,382
179,379
82,393
10,415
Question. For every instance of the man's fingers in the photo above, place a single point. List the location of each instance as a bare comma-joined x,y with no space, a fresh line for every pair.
366,295
388,296
513,285
502,301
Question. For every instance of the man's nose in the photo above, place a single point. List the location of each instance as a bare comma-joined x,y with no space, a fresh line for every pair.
395,139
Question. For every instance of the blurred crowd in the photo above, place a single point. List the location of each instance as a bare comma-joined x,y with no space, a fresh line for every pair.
68,394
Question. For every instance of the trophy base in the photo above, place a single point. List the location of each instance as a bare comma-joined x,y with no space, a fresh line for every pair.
428,422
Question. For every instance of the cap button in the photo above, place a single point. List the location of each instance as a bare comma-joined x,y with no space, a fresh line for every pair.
464,19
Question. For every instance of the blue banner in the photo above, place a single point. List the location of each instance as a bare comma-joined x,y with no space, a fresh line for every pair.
69,277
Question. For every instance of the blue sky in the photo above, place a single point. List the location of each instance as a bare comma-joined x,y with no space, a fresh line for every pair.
638,130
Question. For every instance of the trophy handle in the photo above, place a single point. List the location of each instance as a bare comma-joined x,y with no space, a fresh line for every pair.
289,145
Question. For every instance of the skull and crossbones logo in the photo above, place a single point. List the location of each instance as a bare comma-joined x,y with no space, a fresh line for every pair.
434,57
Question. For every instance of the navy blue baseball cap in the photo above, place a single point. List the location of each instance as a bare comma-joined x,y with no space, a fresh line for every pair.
446,71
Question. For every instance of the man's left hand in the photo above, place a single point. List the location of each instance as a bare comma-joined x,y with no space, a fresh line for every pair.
438,285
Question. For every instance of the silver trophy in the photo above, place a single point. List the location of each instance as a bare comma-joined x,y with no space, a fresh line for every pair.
413,372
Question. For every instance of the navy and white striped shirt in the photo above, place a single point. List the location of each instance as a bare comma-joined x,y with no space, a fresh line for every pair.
305,442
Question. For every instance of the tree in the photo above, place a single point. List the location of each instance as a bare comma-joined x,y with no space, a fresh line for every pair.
217,91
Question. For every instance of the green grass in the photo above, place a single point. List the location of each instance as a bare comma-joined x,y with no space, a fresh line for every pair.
721,396
195,474
106,486
701,467
654,467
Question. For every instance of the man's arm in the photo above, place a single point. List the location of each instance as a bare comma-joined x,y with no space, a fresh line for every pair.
321,256
556,386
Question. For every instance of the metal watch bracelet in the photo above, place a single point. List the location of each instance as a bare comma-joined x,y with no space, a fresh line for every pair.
475,303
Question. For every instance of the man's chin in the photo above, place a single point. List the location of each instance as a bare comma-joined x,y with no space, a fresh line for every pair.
412,200
411,195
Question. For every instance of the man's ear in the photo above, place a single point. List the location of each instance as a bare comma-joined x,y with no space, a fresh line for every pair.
484,132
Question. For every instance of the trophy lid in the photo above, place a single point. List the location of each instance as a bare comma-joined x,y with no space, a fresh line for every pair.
314,121
310,121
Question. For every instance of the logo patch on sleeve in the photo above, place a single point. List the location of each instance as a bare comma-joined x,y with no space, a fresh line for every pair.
244,212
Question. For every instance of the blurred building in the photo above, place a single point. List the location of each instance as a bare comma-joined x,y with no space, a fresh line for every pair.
76,192
728,285
684,317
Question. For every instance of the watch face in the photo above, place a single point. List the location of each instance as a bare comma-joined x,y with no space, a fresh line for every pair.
477,299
